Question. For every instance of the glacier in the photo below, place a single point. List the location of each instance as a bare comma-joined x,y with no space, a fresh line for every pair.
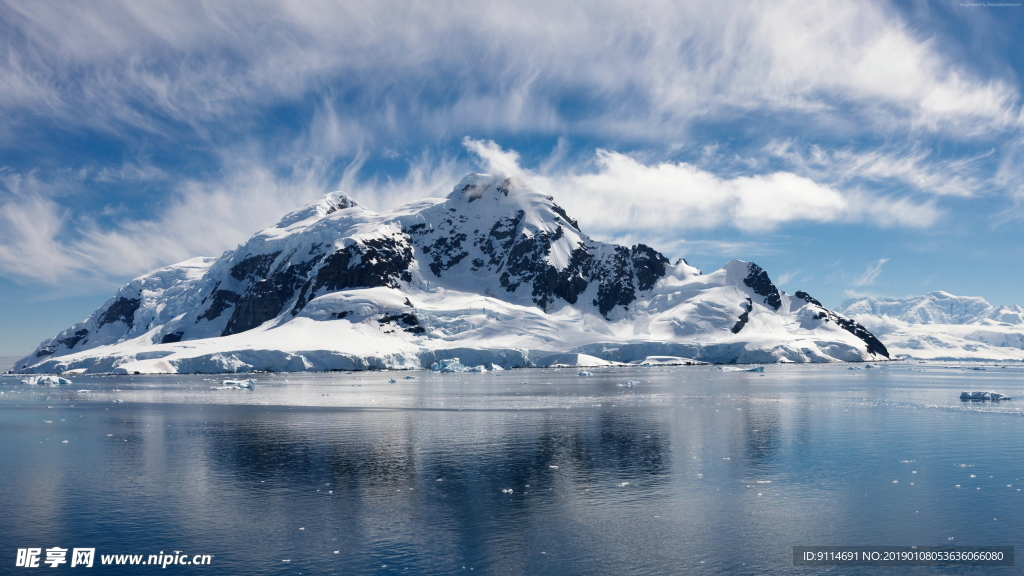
495,274
942,326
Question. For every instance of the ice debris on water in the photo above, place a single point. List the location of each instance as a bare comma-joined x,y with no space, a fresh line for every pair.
506,491
629,384
448,365
739,369
410,377
118,401
553,467
392,381
46,381
993,396
237,385
623,484
585,373
453,365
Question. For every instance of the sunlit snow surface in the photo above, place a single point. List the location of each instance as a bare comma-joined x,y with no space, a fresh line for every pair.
690,470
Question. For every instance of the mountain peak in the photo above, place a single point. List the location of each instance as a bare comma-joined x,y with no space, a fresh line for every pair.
496,270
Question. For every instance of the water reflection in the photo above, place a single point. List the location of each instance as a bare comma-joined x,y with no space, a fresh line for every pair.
524,473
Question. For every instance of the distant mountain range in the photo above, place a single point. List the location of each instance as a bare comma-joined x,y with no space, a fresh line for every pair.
496,274
941,326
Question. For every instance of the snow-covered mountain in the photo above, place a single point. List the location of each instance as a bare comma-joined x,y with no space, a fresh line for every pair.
496,273
941,326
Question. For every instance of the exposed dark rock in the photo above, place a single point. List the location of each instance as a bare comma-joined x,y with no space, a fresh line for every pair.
406,319
501,238
616,282
409,322
374,262
748,307
222,300
649,265
526,262
45,351
446,252
340,315
561,212
874,345
122,309
267,298
758,281
254,267
70,341
172,337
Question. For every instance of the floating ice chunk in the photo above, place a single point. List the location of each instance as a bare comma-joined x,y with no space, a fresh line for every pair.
410,377
553,467
506,491
993,396
629,384
585,373
480,368
448,365
46,381
622,484
392,381
118,401
738,369
241,384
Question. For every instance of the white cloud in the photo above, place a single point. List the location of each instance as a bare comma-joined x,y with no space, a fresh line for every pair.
905,166
622,194
454,67
869,275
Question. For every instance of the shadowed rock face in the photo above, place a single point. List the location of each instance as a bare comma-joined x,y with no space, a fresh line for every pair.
495,237
748,307
874,345
758,281
122,309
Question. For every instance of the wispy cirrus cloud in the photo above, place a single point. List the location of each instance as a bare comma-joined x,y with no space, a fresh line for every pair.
618,193
456,67
285,100
871,274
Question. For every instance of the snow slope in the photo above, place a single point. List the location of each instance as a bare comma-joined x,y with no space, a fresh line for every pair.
495,273
941,326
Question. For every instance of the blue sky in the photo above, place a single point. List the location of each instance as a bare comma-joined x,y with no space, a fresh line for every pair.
849,147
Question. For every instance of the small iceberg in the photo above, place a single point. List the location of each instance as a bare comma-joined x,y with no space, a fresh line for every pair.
392,381
628,384
992,396
449,365
585,373
46,381
237,385
738,369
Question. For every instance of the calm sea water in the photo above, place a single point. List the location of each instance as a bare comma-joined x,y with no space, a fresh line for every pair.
691,471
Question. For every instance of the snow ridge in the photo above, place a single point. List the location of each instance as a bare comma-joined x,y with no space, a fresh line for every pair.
942,326
495,273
